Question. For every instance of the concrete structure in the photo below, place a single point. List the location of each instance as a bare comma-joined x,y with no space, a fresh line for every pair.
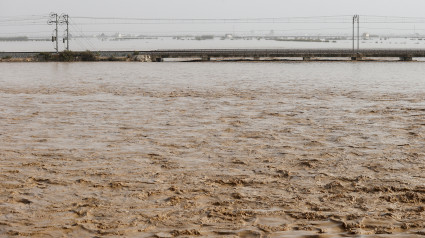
307,54
406,58
206,55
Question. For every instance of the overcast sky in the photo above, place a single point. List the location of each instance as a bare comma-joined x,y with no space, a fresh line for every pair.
213,8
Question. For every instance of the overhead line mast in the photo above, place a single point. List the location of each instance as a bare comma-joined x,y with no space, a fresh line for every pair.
356,19
65,20
54,19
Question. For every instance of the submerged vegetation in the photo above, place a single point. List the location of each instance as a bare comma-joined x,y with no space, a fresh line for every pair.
69,56
72,56
45,56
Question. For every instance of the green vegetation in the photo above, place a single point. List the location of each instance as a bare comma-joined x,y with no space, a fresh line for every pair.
7,57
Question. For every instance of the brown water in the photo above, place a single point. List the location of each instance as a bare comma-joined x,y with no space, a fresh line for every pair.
212,149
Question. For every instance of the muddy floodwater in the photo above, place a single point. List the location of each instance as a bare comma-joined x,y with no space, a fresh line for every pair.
212,149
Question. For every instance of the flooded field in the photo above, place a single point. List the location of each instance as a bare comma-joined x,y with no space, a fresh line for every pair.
212,149
164,43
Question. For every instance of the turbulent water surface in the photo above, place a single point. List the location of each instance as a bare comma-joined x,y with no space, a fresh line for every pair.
212,149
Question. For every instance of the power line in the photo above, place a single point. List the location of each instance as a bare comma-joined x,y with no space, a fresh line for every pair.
28,32
293,25
23,21
305,19
390,28
200,31
205,19
74,26
115,20
23,24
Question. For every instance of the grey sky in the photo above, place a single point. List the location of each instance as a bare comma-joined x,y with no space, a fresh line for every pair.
213,8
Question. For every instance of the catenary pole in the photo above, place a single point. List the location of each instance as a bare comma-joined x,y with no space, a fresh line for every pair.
54,20
57,42
358,34
354,20
65,19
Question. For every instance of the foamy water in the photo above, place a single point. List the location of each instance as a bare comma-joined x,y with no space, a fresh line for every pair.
219,149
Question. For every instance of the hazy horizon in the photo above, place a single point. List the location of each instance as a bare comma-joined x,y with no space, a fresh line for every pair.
203,9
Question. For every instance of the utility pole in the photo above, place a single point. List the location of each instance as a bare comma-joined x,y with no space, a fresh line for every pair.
64,18
54,20
356,18
354,21
358,34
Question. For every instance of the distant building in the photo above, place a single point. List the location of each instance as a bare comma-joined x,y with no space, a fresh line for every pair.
228,36
366,36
